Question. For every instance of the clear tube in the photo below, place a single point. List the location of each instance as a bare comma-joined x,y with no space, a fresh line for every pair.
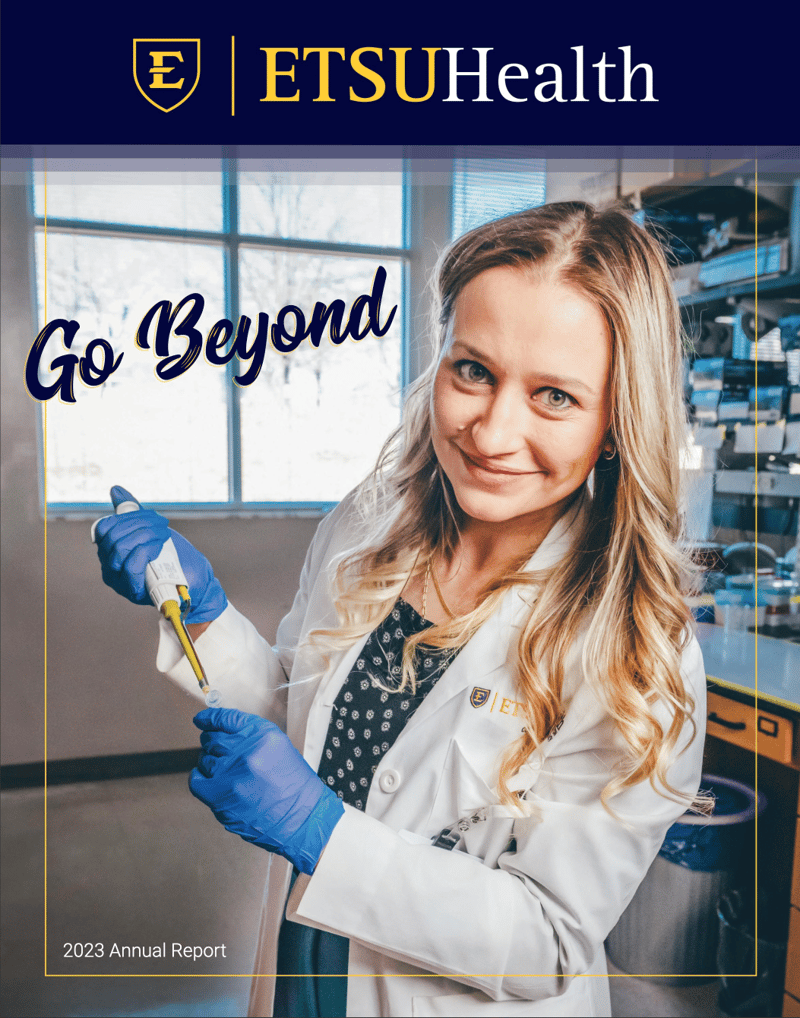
213,698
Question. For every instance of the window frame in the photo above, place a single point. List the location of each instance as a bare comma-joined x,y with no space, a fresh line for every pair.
230,240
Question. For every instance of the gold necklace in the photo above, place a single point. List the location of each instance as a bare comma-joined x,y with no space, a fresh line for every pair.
439,593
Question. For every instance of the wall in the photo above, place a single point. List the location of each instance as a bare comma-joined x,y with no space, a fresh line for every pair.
22,531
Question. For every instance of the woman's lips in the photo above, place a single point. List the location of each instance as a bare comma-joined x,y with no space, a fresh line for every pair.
479,466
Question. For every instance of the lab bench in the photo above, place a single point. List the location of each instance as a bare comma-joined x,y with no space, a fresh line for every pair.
753,735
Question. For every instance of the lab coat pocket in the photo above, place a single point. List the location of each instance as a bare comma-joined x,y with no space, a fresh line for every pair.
465,803
461,788
487,833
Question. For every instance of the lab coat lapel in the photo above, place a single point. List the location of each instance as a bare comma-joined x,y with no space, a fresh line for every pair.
487,652
316,725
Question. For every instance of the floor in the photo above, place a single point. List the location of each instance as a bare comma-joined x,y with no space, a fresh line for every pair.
649,998
141,862
130,862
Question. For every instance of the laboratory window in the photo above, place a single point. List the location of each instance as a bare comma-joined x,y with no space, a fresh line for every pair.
109,244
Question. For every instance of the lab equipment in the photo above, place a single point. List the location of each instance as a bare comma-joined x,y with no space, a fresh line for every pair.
165,583
259,787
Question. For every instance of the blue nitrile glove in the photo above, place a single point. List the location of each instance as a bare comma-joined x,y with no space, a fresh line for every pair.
259,787
125,544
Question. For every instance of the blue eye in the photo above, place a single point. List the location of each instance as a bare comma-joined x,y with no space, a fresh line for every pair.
471,371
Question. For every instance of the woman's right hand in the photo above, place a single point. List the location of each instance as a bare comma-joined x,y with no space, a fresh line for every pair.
126,543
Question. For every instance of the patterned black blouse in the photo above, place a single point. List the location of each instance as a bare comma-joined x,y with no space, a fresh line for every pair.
368,714
366,719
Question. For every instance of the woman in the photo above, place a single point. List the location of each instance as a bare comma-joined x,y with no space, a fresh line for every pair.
491,669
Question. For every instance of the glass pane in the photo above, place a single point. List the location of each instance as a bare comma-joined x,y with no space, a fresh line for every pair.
315,419
163,440
189,200
340,207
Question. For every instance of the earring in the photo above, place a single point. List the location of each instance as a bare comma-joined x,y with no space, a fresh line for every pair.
609,454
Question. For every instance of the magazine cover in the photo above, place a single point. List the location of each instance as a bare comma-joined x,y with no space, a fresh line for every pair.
321,332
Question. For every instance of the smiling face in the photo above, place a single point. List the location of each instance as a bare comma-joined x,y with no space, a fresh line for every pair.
521,399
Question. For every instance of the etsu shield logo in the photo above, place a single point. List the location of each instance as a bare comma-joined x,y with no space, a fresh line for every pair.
478,696
166,71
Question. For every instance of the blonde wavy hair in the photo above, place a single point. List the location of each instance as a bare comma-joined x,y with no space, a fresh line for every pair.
621,587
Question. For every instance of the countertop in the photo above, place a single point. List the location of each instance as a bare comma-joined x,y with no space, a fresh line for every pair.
731,659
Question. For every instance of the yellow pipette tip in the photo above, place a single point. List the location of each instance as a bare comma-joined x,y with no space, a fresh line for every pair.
172,613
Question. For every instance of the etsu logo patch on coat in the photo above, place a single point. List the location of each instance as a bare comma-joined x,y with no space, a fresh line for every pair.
478,696
498,703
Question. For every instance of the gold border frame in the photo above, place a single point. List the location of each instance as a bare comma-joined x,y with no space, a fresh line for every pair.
417,975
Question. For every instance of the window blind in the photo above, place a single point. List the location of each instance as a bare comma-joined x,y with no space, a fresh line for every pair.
488,187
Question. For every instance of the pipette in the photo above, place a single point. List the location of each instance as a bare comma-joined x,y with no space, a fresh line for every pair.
169,591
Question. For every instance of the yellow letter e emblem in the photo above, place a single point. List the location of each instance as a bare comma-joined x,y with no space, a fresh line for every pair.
166,71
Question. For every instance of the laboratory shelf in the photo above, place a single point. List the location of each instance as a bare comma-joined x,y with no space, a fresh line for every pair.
775,286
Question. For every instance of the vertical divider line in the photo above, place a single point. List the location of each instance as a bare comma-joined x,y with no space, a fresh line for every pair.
233,76
230,199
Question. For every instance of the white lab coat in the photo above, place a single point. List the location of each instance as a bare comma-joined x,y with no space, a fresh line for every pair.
494,927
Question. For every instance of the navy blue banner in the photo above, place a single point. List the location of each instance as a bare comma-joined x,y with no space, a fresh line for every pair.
170,75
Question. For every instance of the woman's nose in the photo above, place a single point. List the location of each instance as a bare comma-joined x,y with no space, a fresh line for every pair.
499,429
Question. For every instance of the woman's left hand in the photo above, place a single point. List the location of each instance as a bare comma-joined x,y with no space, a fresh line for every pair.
259,787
